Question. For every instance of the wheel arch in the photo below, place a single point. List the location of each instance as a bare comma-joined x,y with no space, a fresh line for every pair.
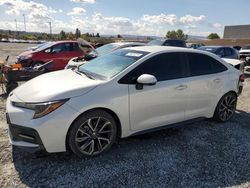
231,91
111,112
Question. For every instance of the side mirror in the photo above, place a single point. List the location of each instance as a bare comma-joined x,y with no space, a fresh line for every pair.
145,79
47,50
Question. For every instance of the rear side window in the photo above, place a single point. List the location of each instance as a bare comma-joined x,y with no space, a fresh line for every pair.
200,64
165,66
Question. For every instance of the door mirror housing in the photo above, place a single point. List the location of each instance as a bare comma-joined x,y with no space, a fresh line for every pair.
47,50
145,79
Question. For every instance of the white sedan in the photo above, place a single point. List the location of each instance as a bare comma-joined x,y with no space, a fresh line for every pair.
127,92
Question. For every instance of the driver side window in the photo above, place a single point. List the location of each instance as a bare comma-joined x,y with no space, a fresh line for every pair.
58,48
164,67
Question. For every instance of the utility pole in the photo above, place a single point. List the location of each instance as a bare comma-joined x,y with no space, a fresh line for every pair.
24,22
50,30
16,25
16,28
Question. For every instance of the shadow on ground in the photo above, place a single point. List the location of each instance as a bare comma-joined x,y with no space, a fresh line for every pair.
203,154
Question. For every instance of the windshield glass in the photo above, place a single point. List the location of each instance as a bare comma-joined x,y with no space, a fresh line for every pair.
208,49
109,65
105,49
156,42
246,47
45,46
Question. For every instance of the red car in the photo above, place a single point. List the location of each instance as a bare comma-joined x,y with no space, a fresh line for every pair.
59,52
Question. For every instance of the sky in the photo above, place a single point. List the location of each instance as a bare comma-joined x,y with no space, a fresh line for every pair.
137,17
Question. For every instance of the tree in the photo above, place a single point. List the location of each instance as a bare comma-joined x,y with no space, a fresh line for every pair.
97,35
179,34
70,36
119,36
213,36
62,35
77,33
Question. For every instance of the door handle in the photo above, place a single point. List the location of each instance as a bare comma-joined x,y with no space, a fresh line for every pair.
181,87
217,80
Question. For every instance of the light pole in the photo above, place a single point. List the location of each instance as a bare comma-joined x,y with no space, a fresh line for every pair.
16,28
16,25
50,30
24,22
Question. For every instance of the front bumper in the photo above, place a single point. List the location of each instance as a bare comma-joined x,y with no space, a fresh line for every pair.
27,138
243,56
47,133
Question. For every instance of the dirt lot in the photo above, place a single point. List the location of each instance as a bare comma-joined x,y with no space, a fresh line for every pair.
203,154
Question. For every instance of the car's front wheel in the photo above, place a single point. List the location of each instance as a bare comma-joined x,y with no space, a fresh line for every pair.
226,107
92,134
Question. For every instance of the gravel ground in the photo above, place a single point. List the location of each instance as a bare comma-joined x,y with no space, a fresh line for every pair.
202,154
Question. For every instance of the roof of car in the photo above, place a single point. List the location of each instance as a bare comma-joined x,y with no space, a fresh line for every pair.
216,47
153,49
128,43
65,41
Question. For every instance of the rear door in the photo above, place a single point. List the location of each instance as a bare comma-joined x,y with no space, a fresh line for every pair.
205,84
163,103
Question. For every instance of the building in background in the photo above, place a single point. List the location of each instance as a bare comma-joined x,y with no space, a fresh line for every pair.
237,32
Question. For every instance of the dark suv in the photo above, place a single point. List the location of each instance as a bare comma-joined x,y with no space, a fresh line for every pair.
168,42
222,51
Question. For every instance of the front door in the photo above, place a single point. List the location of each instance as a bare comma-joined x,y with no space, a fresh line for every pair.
163,103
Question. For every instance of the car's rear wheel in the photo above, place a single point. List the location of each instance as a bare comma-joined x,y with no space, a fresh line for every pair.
226,107
92,134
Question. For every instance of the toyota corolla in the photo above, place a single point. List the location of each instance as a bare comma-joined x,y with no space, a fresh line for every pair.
127,92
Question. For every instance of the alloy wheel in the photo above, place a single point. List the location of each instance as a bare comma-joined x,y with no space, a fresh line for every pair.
94,135
227,107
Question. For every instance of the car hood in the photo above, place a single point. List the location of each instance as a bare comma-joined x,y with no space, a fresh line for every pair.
233,62
246,50
26,53
55,86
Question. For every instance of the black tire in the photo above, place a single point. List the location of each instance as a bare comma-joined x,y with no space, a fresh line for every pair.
226,107
89,136
10,87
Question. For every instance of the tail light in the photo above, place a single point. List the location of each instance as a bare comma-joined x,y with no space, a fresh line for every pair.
242,78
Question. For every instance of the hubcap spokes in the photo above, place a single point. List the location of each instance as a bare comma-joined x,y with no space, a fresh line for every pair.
227,108
94,135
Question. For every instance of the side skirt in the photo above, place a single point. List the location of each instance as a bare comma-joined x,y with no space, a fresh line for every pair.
179,124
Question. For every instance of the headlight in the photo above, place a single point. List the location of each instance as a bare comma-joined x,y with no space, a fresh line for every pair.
41,109
21,58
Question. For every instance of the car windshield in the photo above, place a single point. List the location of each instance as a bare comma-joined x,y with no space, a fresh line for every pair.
105,49
45,46
246,47
208,49
156,42
109,65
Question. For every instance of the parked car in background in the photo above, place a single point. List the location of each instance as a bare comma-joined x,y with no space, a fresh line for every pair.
238,64
222,51
195,45
105,49
59,52
245,52
168,42
33,48
237,47
127,92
